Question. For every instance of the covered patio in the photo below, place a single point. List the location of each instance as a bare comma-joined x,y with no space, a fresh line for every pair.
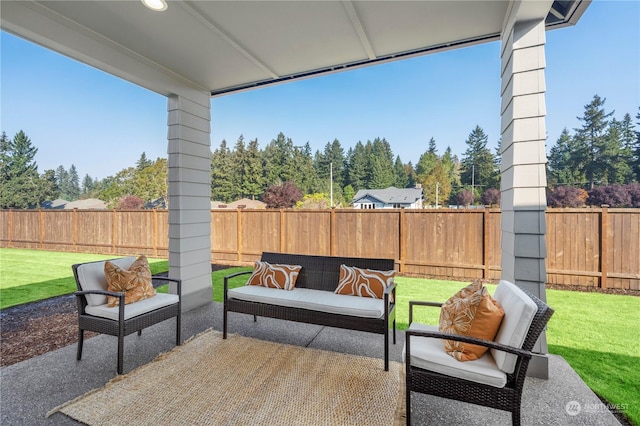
192,51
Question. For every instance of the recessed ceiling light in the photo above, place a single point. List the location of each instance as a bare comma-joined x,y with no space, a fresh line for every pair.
157,5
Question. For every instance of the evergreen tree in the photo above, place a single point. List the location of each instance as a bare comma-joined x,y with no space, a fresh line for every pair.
49,190
306,177
635,150
593,147
619,169
400,174
253,184
222,174
20,185
238,168
381,165
478,163
427,161
278,160
88,184
357,167
563,164
74,184
143,162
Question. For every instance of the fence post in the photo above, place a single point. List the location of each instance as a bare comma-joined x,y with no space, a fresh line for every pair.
10,227
155,232
75,229
239,235
114,231
604,245
332,233
402,242
282,232
41,229
486,240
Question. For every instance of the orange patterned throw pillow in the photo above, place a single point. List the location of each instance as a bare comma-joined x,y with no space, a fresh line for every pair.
135,281
470,312
364,282
275,275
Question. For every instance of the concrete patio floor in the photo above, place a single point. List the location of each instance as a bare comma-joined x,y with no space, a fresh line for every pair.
28,390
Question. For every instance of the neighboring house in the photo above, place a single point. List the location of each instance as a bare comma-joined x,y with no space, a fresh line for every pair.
389,198
244,203
88,204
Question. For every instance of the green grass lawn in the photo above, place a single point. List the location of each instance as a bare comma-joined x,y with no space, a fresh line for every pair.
596,333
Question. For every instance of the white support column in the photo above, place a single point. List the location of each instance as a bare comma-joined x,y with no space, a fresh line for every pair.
523,201
189,149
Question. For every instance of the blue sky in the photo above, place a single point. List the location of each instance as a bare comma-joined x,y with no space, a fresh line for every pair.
75,114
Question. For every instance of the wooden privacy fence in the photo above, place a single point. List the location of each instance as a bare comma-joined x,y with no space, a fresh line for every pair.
592,247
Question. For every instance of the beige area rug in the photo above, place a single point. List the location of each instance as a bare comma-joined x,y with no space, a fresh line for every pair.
245,381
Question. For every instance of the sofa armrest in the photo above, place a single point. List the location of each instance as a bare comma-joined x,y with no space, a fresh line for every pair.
466,339
228,277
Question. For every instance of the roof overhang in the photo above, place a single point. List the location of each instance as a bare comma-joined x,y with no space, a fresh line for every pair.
228,46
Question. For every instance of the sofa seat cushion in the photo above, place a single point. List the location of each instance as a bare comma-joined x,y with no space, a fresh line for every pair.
519,311
91,277
315,300
131,310
427,353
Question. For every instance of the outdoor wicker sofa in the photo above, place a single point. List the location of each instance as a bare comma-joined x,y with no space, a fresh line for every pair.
494,380
319,273
124,319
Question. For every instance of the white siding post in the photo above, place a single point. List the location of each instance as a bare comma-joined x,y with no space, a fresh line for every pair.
523,185
189,149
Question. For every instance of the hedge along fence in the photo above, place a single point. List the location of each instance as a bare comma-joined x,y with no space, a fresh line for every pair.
596,247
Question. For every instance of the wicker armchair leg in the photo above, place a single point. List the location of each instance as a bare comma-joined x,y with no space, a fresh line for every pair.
515,416
120,353
408,404
178,329
386,351
80,342
140,332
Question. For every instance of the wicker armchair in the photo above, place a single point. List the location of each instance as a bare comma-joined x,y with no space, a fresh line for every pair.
497,378
122,320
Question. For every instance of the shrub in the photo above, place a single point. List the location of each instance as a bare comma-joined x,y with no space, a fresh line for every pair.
490,197
567,196
612,195
284,195
634,192
465,197
130,202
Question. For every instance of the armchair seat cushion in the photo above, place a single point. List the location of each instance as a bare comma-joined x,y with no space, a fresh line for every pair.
131,310
427,353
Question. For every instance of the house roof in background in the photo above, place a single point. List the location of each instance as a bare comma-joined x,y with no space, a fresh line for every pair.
391,195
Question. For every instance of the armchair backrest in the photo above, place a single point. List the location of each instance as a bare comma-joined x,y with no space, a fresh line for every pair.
519,312
90,276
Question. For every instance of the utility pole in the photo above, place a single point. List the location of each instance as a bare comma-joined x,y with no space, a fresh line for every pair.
473,179
331,184
437,191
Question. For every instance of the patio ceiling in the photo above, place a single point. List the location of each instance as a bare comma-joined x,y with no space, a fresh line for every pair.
226,46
